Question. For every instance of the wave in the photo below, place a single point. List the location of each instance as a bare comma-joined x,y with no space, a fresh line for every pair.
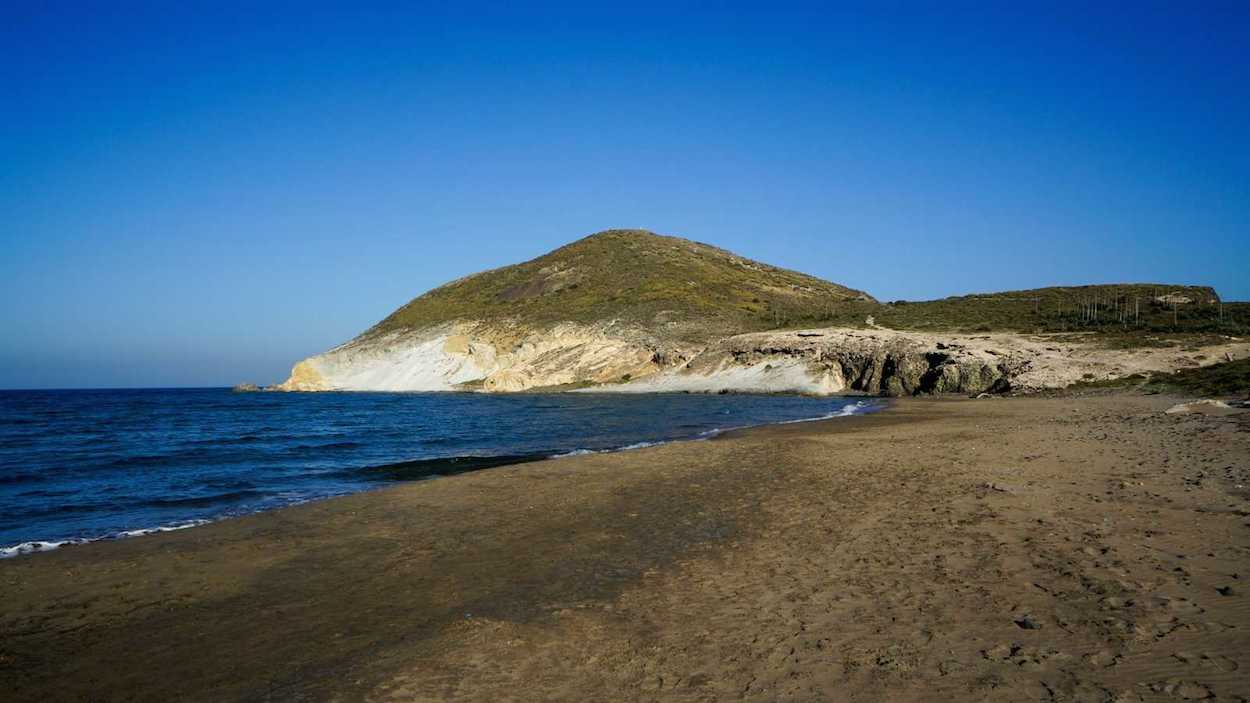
163,459
47,546
202,501
306,447
626,448
856,408
417,469
62,508
20,477
428,468
251,438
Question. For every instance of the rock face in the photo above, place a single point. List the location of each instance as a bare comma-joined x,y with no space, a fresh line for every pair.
876,362
482,357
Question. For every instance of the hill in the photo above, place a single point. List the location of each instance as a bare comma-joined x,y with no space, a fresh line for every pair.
635,276
1111,308
635,311
691,290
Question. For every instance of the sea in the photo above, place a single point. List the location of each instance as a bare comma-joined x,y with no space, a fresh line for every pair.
83,465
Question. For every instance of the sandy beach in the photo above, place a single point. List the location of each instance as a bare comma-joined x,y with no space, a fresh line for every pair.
1065,549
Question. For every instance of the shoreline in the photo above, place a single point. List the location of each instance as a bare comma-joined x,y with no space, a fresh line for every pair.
894,554
443,467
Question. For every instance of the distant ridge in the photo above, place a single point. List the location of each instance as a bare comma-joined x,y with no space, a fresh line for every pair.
1112,306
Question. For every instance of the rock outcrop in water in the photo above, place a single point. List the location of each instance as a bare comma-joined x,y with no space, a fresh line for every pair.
631,311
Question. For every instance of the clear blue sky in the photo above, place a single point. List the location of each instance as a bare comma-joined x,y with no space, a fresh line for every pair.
199,194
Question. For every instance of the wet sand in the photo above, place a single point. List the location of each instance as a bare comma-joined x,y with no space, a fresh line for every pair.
1004,549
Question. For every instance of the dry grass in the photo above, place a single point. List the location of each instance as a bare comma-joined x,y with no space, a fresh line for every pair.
683,289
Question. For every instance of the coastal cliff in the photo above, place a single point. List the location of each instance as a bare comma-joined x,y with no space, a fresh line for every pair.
631,311
480,356
816,361
477,357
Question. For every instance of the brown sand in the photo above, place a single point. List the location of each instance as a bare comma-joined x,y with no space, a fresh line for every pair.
1008,549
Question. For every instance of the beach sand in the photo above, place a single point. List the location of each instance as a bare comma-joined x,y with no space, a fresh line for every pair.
1066,549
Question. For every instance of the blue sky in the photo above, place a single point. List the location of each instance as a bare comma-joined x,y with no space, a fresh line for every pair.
203,194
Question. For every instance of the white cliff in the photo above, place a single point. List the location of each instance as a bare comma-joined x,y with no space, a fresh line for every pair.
475,356
489,357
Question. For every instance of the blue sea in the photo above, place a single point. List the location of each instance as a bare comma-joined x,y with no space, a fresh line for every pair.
78,466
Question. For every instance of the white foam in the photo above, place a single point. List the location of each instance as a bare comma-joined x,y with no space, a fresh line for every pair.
48,545
845,411
626,448
641,445
37,546
159,528
578,452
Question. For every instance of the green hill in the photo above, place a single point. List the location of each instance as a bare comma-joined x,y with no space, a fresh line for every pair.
1152,307
668,283
689,290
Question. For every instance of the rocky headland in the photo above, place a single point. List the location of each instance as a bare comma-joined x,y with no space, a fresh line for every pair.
631,311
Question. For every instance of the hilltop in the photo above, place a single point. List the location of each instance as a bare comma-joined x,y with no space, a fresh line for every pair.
634,276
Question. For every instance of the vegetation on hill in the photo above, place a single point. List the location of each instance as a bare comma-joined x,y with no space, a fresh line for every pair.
1224,379
632,276
1119,312
688,289
1231,378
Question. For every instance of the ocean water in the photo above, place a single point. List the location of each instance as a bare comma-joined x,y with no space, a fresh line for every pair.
77,466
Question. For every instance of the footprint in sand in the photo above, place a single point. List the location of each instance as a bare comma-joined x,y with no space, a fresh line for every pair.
1103,659
1220,662
1184,690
